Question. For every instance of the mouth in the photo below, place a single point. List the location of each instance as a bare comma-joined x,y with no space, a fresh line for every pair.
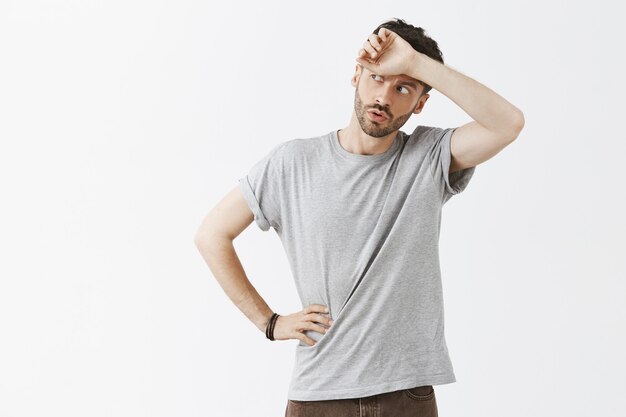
377,116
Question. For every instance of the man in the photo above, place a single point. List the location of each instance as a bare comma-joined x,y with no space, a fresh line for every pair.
358,211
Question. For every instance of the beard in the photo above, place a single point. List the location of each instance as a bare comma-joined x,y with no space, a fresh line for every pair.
373,128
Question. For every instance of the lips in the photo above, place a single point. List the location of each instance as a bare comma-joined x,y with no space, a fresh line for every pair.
378,115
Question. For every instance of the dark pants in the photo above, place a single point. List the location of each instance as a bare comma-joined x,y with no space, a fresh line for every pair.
412,402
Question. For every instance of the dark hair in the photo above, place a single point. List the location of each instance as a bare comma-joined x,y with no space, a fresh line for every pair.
417,38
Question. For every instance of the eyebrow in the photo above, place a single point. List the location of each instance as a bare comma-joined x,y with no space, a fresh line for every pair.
409,83
405,82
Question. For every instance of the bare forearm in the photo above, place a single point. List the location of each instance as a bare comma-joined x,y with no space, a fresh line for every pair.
222,259
481,103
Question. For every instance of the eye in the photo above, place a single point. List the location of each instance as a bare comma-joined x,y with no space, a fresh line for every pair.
374,75
406,89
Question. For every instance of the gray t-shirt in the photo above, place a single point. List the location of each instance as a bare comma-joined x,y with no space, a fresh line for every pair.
361,234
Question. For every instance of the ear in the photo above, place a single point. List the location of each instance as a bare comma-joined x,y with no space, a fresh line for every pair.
420,103
357,73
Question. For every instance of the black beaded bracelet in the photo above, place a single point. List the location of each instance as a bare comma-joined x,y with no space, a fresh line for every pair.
269,329
267,326
272,325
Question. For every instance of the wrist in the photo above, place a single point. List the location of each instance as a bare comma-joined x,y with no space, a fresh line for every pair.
262,325
415,64
269,331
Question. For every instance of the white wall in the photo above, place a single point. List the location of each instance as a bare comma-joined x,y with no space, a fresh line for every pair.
123,122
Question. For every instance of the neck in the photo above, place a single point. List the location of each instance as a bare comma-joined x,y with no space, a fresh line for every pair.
353,139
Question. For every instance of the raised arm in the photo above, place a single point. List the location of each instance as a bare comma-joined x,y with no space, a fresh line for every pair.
496,121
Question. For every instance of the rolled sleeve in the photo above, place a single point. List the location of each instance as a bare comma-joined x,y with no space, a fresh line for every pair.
262,189
440,159
248,194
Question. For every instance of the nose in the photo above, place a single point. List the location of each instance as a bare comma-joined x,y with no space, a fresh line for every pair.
383,95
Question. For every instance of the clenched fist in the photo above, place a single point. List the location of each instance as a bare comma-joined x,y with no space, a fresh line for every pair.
387,54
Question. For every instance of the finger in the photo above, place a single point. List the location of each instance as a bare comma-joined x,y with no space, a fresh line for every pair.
373,39
383,34
318,318
305,339
316,328
315,308
386,32
369,48
363,54
369,65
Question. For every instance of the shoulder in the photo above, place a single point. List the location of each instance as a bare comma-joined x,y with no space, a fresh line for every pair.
305,144
422,131
426,135
298,148
293,152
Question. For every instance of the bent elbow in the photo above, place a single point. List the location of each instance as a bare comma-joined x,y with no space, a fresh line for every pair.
519,122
